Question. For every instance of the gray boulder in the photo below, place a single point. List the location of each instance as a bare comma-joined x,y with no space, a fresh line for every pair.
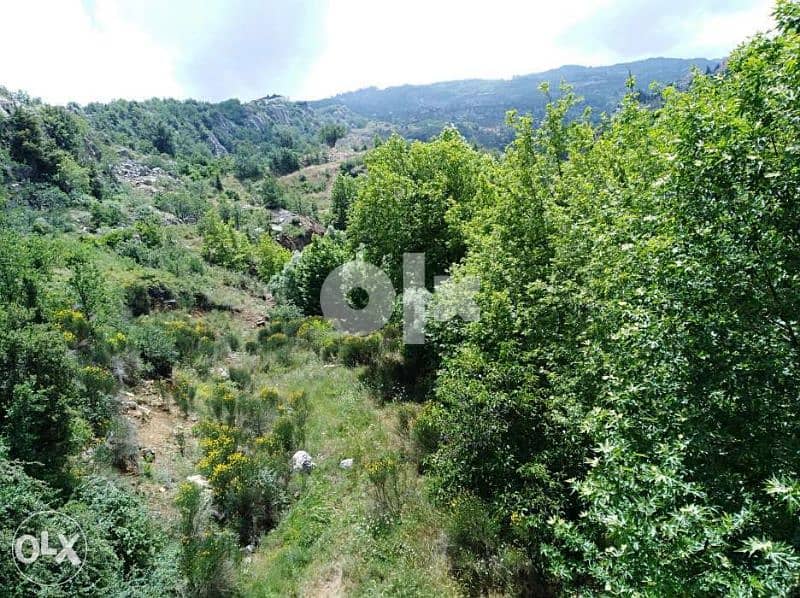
302,461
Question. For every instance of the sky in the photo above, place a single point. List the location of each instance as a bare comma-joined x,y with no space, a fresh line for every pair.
98,50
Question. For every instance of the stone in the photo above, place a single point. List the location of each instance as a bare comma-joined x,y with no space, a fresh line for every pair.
199,480
346,464
302,461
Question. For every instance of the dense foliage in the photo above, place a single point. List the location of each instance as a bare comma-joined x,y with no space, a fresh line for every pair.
622,419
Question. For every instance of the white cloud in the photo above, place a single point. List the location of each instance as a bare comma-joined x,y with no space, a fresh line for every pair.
66,50
421,41
60,52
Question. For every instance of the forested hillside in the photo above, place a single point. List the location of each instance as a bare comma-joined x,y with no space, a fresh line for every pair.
477,107
621,418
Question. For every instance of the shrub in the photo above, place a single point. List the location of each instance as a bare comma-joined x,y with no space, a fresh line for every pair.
123,446
270,257
387,478
426,430
99,386
384,376
208,555
183,392
359,350
223,400
316,332
343,194
330,133
284,161
479,558
275,341
187,206
270,194
223,245
106,214
137,298
132,533
156,347
241,377
300,281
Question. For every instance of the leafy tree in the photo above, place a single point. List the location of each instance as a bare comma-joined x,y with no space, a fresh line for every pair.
330,133
248,163
270,193
343,194
415,199
164,139
270,257
300,281
622,408
284,161
37,392
224,245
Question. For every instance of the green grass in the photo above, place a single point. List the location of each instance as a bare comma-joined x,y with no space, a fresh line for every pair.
334,540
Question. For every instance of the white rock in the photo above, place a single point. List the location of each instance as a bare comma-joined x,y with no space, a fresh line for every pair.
301,461
199,480
346,463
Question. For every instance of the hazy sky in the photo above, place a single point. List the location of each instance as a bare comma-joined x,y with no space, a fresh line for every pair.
85,50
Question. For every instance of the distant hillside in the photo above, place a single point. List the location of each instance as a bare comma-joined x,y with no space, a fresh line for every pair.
478,106
216,129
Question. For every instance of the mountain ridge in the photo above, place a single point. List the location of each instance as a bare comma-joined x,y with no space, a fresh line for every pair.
477,107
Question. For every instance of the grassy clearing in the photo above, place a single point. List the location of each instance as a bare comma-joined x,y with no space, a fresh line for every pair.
336,539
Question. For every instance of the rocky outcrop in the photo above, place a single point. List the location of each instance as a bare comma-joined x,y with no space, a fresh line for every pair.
141,176
294,231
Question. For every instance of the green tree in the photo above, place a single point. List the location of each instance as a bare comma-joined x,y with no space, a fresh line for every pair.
223,244
330,133
300,281
415,199
270,257
343,194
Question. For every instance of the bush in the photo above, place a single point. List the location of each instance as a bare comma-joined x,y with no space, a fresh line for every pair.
106,214
122,446
384,376
284,161
208,555
275,341
37,395
330,133
223,245
183,392
479,558
300,281
188,206
270,258
359,350
132,533
241,377
387,478
156,347
270,194
426,430
98,389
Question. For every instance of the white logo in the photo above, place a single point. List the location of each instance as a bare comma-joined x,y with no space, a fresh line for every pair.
49,548
451,298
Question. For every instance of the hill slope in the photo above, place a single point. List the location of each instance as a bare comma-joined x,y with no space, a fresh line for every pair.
478,106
